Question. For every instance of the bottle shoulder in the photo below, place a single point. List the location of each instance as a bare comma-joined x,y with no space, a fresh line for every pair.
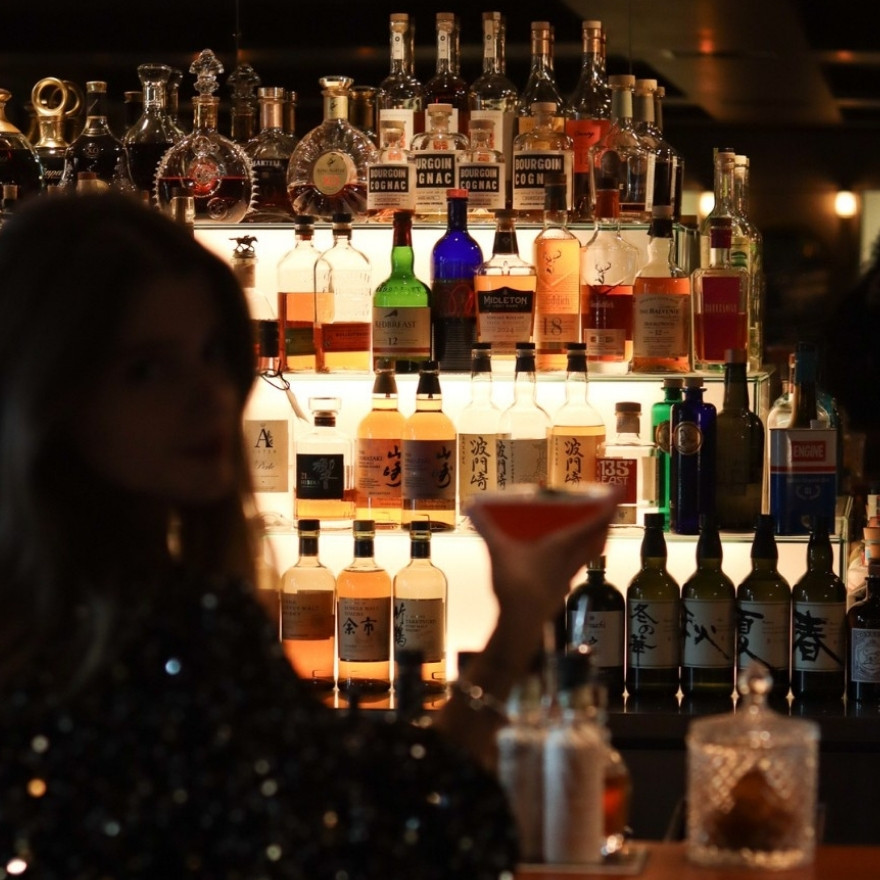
708,584
764,586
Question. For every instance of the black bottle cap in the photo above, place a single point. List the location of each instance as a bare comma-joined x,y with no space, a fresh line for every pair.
655,520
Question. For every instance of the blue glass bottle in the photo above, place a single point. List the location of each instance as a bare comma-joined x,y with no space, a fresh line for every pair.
454,260
692,461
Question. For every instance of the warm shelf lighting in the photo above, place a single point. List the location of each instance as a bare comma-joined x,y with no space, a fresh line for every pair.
846,204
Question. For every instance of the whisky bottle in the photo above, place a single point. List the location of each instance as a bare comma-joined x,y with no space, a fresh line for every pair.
660,431
378,456
296,299
419,606
557,255
327,173
577,430
401,310
446,85
541,86
363,614
49,100
863,643
437,152
391,177
653,611
763,611
505,287
324,480
429,460
708,599
739,473
401,95
454,259
308,612
343,304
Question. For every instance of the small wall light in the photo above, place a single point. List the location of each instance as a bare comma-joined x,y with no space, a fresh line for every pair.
846,204
707,202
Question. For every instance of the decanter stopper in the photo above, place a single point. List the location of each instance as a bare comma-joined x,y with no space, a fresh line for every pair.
243,82
207,67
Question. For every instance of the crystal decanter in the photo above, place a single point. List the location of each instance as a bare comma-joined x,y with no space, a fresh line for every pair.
19,163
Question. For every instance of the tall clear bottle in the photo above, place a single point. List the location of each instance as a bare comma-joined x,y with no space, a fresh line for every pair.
665,156
363,615
677,157
401,95
724,160
429,461
577,430
541,86
661,433
484,172
296,299
243,82
753,246
557,256
446,86
653,611
308,612
419,605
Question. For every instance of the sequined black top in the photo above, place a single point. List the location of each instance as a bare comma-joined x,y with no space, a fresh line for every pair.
196,752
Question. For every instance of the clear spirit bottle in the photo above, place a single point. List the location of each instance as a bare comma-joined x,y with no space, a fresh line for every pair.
446,86
677,158
664,155
541,86
482,171
753,245
297,300
391,178
401,95
437,152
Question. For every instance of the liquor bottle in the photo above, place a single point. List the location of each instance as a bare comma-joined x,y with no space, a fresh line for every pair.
589,114
863,643
818,644
739,473
363,614
327,173
677,158
324,480
660,431
577,431
153,133
540,150
541,86
557,257
620,161
720,294
483,172
477,432
343,304
428,448
419,594
628,462
270,151
692,467
132,107
49,100
400,93
455,258
243,83
708,600
753,245
96,148
172,98
664,155
523,427
378,457
362,110
595,616
763,611
212,168
296,298
661,304
391,177
308,612
401,310
437,152
243,263
446,85
724,160
653,612
804,391
19,162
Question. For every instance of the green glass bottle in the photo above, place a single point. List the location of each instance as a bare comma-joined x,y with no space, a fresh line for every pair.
818,646
763,611
401,311
708,599
653,615
672,393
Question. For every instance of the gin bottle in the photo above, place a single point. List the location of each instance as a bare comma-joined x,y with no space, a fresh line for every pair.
437,152
446,85
401,96
296,299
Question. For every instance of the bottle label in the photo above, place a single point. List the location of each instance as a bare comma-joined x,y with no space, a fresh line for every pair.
864,661
662,437
557,295
687,438
602,631
621,472
365,629
653,634
661,321
529,168
332,171
573,457
429,474
268,443
708,633
606,315
484,182
763,633
818,636
419,624
521,461
308,615
720,319
345,336
585,133
299,338
320,476
477,465
403,333
505,315
391,186
378,473
435,173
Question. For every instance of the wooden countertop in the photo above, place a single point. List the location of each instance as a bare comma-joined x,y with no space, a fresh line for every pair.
668,861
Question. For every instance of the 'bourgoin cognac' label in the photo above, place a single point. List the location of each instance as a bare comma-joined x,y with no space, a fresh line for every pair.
435,173
529,169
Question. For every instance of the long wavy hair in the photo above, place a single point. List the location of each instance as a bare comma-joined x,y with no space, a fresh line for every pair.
70,546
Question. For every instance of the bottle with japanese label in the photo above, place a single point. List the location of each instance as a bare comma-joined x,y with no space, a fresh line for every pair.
363,614
308,612
708,600
653,619
661,434
401,311
763,611
401,95
595,616
324,483
437,152
296,298
577,430
523,427
428,448
505,287
446,86
419,606
378,457
818,644
863,643
557,257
